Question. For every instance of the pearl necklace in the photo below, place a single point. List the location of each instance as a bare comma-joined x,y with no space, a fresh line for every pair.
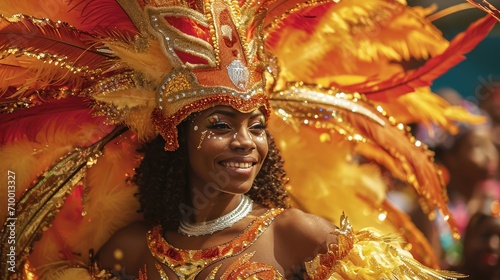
209,227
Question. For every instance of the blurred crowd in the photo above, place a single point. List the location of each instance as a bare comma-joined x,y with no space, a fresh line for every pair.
469,161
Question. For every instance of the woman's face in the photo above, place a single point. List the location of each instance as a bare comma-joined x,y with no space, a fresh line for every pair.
226,149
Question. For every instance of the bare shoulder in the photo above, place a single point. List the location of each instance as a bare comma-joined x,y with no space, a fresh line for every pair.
302,223
125,250
303,230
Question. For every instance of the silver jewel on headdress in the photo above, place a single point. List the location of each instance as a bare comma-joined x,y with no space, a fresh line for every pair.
209,227
238,73
227,31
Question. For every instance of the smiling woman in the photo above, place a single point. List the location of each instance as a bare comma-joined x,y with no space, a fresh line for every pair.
223,142
217,207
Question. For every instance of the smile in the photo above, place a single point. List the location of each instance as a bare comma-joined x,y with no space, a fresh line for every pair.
237,164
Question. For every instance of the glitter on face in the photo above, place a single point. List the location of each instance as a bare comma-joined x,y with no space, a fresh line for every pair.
195,128
262,136
201,139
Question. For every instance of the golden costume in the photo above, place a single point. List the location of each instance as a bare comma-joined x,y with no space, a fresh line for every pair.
84,83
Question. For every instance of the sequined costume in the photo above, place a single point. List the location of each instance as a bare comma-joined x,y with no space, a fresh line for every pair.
340,262
85,83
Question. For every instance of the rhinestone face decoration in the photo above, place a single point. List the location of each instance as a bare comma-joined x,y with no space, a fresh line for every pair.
238,73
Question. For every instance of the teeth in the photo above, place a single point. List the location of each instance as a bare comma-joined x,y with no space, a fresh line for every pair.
237,164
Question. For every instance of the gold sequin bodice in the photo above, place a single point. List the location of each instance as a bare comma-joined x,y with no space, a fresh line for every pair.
187,264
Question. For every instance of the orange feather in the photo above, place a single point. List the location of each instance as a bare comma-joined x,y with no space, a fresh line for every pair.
433,68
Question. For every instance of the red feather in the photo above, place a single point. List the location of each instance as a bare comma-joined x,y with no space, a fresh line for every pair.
424,76
26,124
103,17
45,36
306,20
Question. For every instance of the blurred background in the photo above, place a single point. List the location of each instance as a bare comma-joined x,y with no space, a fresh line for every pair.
482,64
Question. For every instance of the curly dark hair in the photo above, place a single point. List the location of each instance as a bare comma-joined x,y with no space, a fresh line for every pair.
162,180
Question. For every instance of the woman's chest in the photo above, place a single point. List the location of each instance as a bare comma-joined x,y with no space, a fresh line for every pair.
254,262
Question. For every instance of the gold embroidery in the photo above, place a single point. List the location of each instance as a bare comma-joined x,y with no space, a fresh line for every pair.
187,264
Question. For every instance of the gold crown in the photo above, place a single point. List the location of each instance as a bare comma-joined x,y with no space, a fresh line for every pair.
217,56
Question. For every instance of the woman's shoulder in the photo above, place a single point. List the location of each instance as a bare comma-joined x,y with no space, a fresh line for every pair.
298,220
295,226
125,249
134,231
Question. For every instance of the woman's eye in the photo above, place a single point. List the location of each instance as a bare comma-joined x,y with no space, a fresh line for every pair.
258,126
220,125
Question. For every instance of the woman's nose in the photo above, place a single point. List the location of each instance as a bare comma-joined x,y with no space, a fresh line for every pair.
242,140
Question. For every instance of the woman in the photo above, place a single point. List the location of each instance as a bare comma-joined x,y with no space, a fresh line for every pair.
226,155
217,207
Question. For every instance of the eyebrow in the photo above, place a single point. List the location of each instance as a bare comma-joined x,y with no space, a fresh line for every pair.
232,114
223,112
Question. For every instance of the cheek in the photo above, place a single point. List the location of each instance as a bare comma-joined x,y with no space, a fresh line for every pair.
262,145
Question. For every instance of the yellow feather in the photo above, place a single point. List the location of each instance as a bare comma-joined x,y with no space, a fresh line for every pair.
129,98
34,73
139,121
355,41
344,185
341,181
152,62
28,159
424,106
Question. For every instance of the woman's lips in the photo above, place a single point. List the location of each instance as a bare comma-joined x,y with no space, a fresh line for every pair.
239,167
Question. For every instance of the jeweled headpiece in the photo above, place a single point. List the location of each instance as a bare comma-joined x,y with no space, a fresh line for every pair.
216,51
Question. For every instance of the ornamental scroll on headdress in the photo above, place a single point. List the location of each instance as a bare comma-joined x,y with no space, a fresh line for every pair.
217,57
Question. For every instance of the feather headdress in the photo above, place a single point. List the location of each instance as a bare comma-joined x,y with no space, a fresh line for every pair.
85,81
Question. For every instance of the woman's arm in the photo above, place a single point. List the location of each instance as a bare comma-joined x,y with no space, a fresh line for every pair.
124,254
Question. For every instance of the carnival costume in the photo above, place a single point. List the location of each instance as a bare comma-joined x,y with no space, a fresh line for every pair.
85,83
